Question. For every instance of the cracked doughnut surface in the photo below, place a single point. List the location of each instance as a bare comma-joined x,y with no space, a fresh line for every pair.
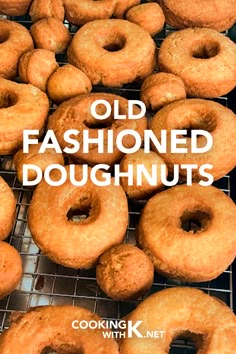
194,236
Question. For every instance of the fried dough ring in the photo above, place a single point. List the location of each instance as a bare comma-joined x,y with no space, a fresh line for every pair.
22,106
113,52
77,112
203,58
15,40
104,227
182,312
199,114
185,255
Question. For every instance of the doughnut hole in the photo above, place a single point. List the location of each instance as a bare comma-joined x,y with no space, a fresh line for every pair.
85,210
114,43
4,36
195,341
8,99
195,221
205,50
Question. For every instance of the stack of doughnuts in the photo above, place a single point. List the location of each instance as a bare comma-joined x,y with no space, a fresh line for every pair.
185,233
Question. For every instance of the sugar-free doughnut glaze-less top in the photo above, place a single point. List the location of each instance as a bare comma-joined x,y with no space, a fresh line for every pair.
113,52
181,254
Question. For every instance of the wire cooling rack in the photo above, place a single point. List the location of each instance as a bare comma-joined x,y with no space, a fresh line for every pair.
45,283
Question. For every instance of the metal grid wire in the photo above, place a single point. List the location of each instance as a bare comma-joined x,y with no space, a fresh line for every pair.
45,283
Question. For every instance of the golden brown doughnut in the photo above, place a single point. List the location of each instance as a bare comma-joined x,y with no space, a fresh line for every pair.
7,213
14,41
14,7
124,272
67,82
182,312
199,114
76,113
22,106
161,89
80,12
101,48
219,15
46,8
122,6
50,33
148,16
203,58
36,66
49,157
51,329
184,255
144,190
105,226
10,268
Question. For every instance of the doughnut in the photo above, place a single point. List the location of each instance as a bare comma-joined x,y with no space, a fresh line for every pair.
203,58
107,217
122,6
199,114
67,82
10,268
50,33
36,66
148,16
219,15
148,160
182,312
101,48
124,272
161,89
49,329
76,113
22,106
80,12
200,254
14,41
14,7
41,160
7,214
46,8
